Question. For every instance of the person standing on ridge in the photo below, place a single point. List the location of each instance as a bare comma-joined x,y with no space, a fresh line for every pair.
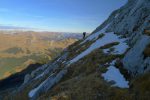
84,34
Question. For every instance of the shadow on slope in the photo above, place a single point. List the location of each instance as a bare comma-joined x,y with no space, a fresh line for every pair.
17,79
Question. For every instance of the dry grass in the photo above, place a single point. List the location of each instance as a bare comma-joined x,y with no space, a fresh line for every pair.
101,35
141,87
77,48
120,66
109,45
83,80
92,87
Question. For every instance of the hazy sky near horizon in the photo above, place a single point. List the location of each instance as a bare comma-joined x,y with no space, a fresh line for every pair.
57,15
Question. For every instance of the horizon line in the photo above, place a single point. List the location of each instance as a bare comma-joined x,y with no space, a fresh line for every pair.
19,28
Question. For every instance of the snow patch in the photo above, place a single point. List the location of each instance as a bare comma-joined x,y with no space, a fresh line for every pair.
113,74
95,35
106,39
118,49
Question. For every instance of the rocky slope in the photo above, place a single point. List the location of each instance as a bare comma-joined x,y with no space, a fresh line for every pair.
131,20
107,65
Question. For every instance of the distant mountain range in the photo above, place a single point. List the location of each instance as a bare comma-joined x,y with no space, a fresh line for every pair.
3,27
15,30
28,47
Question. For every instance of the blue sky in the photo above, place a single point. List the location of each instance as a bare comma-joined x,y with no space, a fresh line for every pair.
57,15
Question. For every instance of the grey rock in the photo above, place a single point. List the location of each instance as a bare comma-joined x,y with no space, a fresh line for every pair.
130,21
27,78
134,59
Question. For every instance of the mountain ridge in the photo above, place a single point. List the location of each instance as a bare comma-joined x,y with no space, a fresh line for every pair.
90,68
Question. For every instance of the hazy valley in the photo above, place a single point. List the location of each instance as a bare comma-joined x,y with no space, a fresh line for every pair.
20,49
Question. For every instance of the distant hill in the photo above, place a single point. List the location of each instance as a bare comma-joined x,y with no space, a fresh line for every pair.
19,49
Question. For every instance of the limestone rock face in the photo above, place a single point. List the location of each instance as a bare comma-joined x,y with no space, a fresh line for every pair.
134,60
130,21
27,78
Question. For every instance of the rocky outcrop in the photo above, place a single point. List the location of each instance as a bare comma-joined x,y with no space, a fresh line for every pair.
134,60
130,21
47,84
49,75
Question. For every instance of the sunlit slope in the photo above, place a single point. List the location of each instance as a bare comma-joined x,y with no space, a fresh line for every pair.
19,50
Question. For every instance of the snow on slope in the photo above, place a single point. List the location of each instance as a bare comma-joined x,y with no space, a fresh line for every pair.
53,79
106,39
118,49
113,74
95,35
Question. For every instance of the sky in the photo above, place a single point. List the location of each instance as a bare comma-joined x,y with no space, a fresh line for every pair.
57,15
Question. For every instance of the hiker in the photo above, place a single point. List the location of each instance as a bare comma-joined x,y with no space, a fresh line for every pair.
84,34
